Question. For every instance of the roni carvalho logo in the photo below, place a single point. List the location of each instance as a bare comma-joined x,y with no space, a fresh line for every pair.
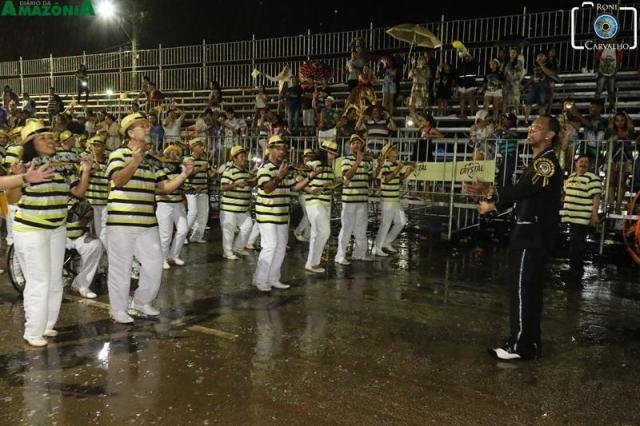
605,27
24,8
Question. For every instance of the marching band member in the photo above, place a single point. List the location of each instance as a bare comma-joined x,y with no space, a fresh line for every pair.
303,229
98,190
393,217
356,171
234,205
318,202
13,154
272,213
132,228
171,212
197,190
40,234
90,250
66,150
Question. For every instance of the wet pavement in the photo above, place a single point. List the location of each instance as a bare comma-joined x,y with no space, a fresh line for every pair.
401,340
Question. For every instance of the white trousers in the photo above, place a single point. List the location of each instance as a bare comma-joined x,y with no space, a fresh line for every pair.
255,233
319,219
197,214
274,246
41,255
303,227
230,222
354,218
393,221
100,223
124,243
170,215
90,253
12,214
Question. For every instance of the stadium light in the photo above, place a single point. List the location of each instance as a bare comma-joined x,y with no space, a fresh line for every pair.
109,92
106,9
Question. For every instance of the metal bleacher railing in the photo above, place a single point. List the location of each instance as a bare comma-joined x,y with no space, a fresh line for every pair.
191,67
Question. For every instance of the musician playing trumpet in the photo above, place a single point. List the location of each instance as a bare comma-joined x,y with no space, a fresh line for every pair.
40,233
98,190
197,191
235,186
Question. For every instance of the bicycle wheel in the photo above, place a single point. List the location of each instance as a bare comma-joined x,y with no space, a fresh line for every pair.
15,272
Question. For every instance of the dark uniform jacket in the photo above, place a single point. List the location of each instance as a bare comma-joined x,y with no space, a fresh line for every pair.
537,196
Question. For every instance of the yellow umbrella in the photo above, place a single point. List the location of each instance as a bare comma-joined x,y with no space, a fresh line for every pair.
415,35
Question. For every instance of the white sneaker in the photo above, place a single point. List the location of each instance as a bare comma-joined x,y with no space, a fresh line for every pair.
200,241
86,293
38,342
148,310
50,333
299,237
390,249
230,256
121,317
263,287
242,252
317,270
378,252
344,262
278,284
364,258
165,265
178,261
250,247
186,241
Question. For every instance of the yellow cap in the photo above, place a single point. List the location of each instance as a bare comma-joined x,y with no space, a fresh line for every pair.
237,149
330,145
308,151
275,140
195,141
33,128
130,120
97,139
64,135
385,149
356,136
173,151
3,133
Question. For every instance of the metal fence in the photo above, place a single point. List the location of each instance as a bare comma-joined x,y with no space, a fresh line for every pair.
190,67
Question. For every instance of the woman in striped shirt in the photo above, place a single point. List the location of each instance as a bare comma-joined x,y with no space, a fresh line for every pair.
40,233
318,203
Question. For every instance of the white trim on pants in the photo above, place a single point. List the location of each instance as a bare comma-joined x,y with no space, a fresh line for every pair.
274,246
393,221
168,215
230,222
320,220
125,242
41,256
197,214
100,223
355,219
90,253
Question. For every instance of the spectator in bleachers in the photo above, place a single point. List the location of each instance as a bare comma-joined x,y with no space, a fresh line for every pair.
261,99
215,95
427,131
492,88
112,127
4,118
135,107
59,123
308,112
54,104
293,95
284,81
278,125
466,81
156,132
8,95
387,73
262,127
607,62
233,128
507,149
594,127
503,57
90,123
419,74
444,87
327,118
513,73
480,136
28,105
346,124
354,67
363,96
378,125
172,125
321,92
82,79
155,97
621,131
554,65
203,124
14,115
538,86
145,89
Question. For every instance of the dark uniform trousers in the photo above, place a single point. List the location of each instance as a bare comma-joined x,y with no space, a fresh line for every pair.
537,201
577,247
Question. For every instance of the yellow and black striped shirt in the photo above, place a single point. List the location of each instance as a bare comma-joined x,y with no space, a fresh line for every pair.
12,155
390,191
197,182
236,200
134,203
324,178
357,189
176,196
578,198
98,189
43,205
273,207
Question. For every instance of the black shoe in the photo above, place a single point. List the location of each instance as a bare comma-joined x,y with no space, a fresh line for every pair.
507,353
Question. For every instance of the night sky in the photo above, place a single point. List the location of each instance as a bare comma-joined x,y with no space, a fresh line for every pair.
183,22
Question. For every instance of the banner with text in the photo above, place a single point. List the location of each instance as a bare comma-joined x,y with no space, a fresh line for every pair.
484,170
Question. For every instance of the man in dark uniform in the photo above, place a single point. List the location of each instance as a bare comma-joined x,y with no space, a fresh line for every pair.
537,196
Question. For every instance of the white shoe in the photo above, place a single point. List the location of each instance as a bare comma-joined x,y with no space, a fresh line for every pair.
200,241
230,256
250,247
299,237
364,258
50,333
317,270
186,241
263,287
86,293
344,262
148,310
242,252
178,261
38,342
165,265
121,317
390,249
278,284
378,252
